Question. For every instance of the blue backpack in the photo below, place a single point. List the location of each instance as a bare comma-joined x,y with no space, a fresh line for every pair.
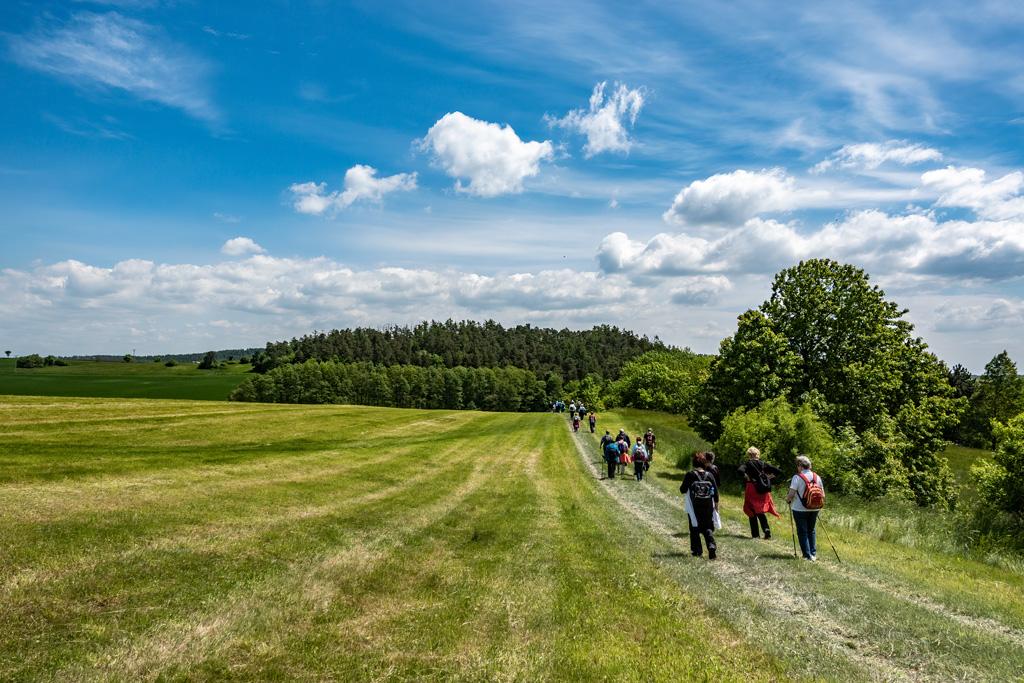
611,452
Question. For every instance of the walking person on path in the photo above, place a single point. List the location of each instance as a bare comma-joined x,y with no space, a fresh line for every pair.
712,468
610,450
701,504
805,504
640,456
623,445
649,442
757,496
593,423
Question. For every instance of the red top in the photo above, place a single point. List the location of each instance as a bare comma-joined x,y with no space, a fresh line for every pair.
755,503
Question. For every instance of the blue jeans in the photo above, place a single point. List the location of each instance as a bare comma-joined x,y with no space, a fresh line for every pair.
805,522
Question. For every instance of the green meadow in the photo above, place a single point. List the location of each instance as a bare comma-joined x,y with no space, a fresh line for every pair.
163,540
122,380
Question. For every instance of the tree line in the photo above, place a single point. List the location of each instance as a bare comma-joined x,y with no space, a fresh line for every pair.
573,355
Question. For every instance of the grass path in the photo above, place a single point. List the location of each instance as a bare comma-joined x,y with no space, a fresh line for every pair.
885,613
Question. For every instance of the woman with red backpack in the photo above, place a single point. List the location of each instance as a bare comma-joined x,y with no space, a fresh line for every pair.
806,497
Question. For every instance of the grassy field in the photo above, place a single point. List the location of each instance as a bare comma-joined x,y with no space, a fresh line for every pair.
122,380
198,541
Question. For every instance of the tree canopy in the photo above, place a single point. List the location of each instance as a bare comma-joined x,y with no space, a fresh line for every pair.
829,339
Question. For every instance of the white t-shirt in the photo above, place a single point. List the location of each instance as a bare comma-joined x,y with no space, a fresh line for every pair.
800,485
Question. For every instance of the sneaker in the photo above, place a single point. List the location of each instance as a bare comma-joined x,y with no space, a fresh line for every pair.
767,535
711,556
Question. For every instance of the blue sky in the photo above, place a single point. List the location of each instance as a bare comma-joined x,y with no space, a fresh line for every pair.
180,176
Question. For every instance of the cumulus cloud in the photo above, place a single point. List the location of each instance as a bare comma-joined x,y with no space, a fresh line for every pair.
603,121
998,313
914,244
112,51
966,187
318,288
241,245
871,155
491,156
698,291
726,200
361,184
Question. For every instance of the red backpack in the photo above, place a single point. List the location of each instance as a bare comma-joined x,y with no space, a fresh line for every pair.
814,494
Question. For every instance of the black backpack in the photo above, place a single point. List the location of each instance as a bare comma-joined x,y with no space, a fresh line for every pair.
703,489
762,482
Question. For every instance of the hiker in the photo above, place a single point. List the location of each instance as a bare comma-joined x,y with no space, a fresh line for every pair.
639,456
802,494
624,435
701,504
649,441
593,423
757,496
610,451
712,468
575,423
623,453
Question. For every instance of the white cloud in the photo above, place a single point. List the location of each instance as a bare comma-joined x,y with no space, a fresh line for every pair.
361,184
227,218
871,155
966,187
241,245
728,199
695,291
112,51
602,123
912,244
998,313
493,157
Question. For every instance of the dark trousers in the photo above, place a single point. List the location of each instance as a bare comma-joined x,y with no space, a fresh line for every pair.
638,469
708,533
611,469
763,518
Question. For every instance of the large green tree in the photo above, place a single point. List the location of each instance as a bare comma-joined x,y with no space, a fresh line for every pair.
828,338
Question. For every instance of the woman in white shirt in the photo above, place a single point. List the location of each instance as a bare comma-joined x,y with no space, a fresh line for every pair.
803,518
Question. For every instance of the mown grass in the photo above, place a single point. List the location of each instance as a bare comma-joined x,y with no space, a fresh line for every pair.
122,380
895,608
179,541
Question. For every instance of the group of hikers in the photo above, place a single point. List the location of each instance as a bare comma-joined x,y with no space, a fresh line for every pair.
577,412
701,486
618,451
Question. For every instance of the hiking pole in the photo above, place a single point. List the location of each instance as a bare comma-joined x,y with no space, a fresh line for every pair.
792,528
831,543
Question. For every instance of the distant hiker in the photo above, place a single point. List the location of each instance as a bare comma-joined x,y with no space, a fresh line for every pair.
701,504
580,410
649,441
712,468
757,497
593,423
639,456
575,423
624,435
806,498
610,451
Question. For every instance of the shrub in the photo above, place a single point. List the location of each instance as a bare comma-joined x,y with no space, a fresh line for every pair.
779,431
171,363
32,361
1001,481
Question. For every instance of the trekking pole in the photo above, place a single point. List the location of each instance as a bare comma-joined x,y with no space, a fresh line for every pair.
793,528
831,543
